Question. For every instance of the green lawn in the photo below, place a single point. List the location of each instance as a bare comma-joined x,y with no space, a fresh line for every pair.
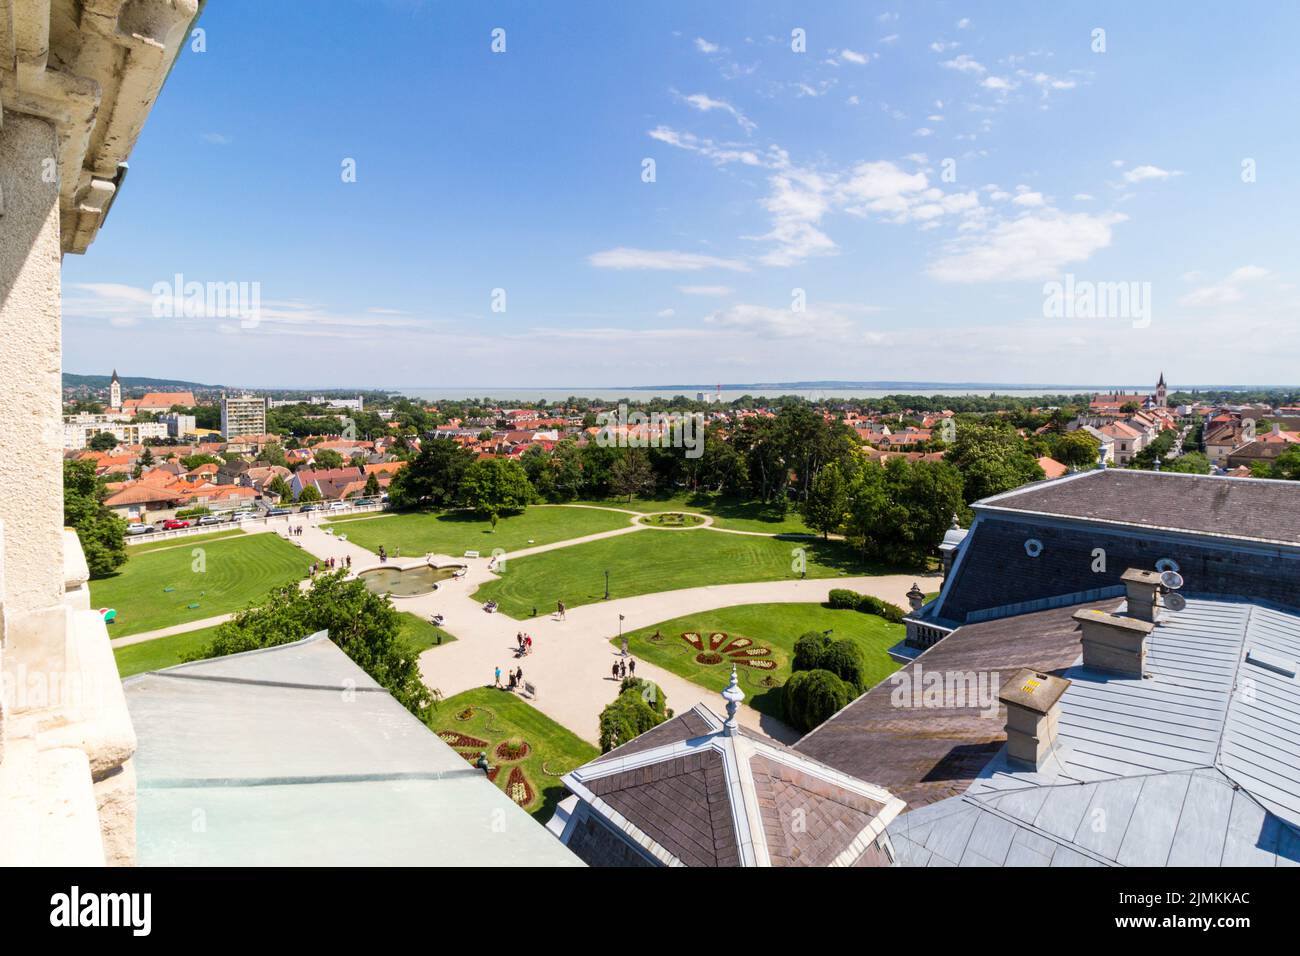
774,626
499,715
167,651
160,652
232,573
183,541
419,632
455,532
650,561
726,512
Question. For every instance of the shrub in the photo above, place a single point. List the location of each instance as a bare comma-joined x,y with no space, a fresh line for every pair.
628,716
846,661
808,651
844,599
810,697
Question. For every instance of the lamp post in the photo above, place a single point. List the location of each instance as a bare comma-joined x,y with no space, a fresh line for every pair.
622,641
606,584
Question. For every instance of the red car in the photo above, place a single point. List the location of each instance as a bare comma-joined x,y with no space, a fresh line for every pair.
173,524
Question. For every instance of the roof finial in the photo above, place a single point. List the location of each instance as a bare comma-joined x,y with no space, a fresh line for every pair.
733,695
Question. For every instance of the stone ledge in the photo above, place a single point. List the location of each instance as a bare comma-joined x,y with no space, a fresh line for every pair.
48,815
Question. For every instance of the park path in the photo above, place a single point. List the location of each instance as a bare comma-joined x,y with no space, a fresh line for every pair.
570,665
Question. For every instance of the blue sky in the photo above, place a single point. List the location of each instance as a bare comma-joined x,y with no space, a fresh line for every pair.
912,178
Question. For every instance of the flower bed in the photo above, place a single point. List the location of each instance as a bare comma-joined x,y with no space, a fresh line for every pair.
716,640
512,750
693,639
751,652
461,741
736,644
708,657
518,788
761,663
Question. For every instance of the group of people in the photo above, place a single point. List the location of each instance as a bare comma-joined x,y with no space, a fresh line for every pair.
329,564
514,679
525,642
624,668
294,531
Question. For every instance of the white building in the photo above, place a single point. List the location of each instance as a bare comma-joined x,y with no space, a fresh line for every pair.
78,430
179,425
243,415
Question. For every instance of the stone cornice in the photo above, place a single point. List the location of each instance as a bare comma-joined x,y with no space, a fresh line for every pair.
93,69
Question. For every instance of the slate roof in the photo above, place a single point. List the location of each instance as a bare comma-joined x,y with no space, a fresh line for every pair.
687,794
1254,508
1197,764
924,754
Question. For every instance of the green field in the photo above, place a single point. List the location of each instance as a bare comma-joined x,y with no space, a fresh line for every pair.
726,513
651,561
775,626
160,652
168,651
235,571
454,532
499,715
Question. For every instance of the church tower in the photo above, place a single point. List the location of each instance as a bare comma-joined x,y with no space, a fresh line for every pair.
114,392
1161,392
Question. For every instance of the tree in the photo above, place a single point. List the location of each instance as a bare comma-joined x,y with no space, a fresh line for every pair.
828,502
843,658
1078,449
363,624
811,697
102,441
630,715
372,489
631,475
101,532
1193,463
310,494
272,453
432,477
808,650
1285,466
327,458
279,487
146,459
992,459
900,512
495,485
190,462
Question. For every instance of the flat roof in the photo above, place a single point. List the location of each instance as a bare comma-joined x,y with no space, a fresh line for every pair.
1245,508
294,756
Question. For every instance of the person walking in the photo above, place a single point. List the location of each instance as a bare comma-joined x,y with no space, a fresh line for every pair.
496,678
559,608
631,666
615,670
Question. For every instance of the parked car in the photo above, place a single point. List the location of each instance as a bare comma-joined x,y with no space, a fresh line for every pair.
243,515
306,508
277,512
175,523
210,519
140,529
339,505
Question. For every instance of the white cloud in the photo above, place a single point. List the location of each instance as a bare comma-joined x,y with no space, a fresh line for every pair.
965,63
704,46
892,38
667,260
1139,174
768,322
705,104
665,313
1226,291
963,23
852,56
720,153
1033,247
715,290
217,139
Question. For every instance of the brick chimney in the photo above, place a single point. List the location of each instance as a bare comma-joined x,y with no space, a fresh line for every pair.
1114,644
1142,590
1033,703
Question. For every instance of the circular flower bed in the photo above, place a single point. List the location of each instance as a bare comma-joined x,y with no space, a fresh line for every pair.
466,714
708,657
511,750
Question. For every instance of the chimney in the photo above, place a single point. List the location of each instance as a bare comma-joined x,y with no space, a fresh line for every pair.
1033,703
1114,644
1142,590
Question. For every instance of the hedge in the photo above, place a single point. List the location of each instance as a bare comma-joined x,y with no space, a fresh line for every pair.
844,599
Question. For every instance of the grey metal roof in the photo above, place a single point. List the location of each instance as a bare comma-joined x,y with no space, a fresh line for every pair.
293,755
1196,764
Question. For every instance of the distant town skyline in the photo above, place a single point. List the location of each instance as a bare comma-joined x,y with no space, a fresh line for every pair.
619,196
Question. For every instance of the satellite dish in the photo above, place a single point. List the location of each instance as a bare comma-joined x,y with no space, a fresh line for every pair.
1175,602
1171,579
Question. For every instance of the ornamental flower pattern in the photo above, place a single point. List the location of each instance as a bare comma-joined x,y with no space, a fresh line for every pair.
739,651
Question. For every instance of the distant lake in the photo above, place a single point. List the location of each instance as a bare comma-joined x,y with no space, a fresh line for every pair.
763,391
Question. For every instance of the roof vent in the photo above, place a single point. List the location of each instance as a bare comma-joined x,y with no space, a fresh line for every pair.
1114,644
1271,662
1033,703
1141,588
